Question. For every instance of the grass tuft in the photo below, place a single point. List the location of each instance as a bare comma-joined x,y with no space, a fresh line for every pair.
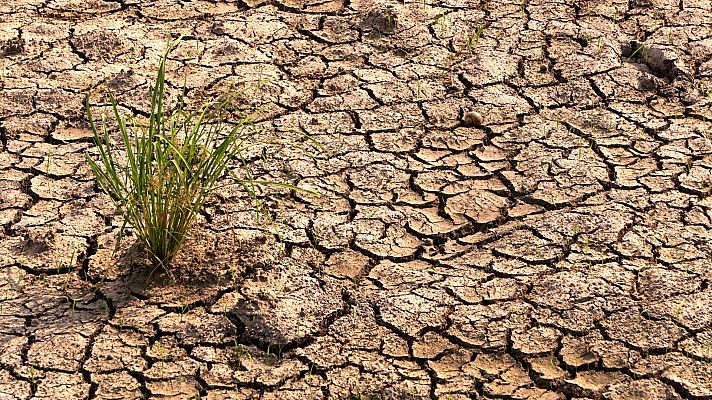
161,174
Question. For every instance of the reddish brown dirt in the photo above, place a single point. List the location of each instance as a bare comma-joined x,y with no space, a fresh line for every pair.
558,250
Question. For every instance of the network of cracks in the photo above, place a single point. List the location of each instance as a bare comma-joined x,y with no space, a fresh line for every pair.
558,249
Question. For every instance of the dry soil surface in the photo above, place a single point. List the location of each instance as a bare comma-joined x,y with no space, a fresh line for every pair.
558,250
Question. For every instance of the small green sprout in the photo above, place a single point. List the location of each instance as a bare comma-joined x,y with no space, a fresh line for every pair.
161,354
74,304
391,22
600,48
98,286
48,155
474,37
640,49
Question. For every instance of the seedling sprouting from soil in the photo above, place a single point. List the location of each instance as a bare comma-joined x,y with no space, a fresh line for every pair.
442,19
600,49
640,49
3,74
49,162
474,37
392,22
74,305
161,354
233,275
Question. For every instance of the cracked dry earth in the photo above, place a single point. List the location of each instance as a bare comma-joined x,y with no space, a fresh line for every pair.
559,250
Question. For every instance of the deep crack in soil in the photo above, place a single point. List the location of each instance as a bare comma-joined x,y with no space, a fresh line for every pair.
515,202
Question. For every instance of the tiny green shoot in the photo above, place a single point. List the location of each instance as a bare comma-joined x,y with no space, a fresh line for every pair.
640,48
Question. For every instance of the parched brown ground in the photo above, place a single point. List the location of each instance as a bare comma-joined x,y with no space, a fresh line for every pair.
560,250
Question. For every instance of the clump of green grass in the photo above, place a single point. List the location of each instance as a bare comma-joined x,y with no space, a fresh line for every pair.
160,175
